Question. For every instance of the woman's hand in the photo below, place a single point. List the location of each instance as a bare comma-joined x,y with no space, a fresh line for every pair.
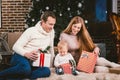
32,55
97,50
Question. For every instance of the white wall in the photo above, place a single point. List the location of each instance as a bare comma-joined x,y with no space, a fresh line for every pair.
114,6
0,13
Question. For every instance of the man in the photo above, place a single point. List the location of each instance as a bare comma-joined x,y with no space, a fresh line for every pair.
38,37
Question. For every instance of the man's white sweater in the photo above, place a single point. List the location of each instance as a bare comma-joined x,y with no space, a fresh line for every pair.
34,38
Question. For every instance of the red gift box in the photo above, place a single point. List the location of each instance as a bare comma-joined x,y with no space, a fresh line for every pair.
66,68
87,62
42,61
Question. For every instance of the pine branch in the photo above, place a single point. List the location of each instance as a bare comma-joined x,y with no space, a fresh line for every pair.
45,51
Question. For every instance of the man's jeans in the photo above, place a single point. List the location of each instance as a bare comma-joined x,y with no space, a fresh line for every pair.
21,68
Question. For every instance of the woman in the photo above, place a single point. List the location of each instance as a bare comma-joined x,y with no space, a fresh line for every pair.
79,39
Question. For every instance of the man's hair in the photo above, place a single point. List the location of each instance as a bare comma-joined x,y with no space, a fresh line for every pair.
47,14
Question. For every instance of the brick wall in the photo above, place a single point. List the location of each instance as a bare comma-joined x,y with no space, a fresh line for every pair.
13,15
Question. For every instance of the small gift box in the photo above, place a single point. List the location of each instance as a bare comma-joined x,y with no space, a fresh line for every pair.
42,61
87,62
66,68
44,58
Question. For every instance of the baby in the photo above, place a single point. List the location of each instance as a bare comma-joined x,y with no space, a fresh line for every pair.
64,57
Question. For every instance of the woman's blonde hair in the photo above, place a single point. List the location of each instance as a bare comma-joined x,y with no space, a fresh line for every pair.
83,36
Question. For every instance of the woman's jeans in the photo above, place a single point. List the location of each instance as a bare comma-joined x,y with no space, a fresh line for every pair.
21,68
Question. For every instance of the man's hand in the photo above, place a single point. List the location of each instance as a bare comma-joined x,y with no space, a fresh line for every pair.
32,55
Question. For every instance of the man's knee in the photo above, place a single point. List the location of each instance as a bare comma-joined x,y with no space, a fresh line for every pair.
47,71
25,69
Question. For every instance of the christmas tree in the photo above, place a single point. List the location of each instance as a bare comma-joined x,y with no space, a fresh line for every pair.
63,9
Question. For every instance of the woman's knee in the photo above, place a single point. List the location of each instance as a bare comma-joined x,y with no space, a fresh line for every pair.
101,69
101,61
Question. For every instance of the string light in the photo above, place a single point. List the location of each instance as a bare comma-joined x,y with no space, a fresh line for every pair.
60,14
78,12
28,16
54,10
47,8
68,8
33,20
106,12
79,5
26,26
30,9
70,15
37,0
86,21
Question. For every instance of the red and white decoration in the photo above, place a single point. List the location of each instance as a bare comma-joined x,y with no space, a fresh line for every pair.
42,61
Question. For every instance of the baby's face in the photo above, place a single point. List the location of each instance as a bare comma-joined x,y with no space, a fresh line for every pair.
62,51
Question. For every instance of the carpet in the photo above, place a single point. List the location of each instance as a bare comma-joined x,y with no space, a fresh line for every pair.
82,76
